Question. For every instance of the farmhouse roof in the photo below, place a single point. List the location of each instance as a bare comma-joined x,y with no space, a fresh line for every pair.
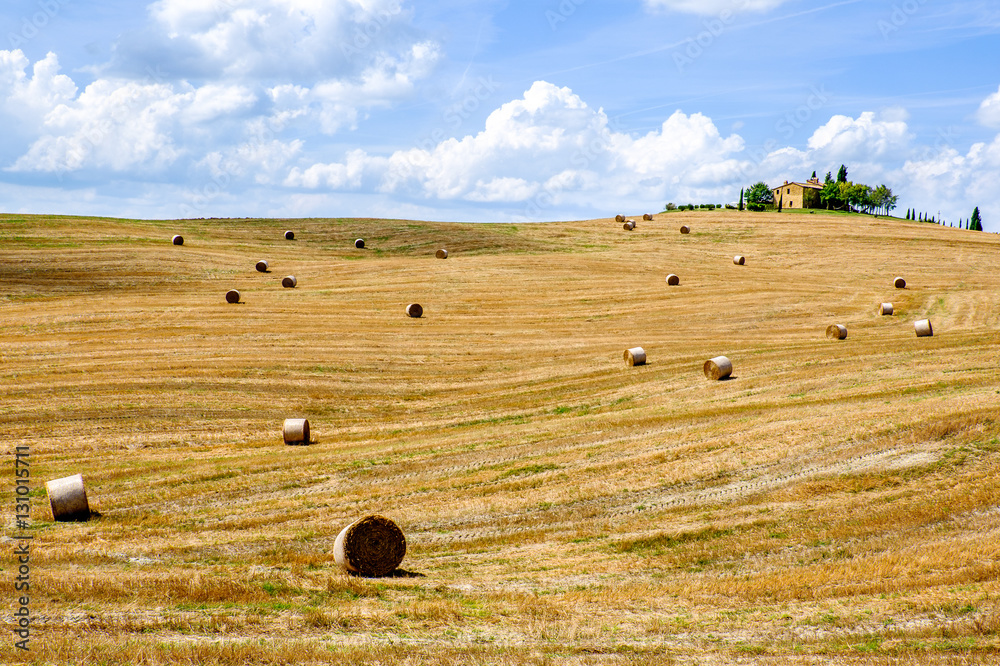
812,184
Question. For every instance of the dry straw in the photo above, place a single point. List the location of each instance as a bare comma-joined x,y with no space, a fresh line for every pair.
719,367
178,240
415,310
295,431
629,226
232,296
619,218
685,229
372,546
262,266
289,282
885,309
739,260
635,356
923,328
673,280
900,283
836,332
647,217
360,243
289,235
441,254
68,498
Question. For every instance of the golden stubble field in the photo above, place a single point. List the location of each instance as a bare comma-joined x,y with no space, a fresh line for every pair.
835,502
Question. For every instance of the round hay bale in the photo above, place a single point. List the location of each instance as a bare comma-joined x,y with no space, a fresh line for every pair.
885,309
739,260
836,332
635,356
232,296
629,226
619,218
295,431
414,310
441,254
685,229
718,368
899,283
673,280
68,498
289,235
289,282
647,217
923,328
178,240
360,243
373,546
262,266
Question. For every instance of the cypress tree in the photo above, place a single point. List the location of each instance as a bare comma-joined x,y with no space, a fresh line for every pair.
741,199
977,219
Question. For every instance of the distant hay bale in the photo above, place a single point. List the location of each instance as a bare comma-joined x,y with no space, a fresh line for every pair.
647,217
685,229
295,431
885,309
900,283
360,243
836,332
415,310
923,328
635,356
673,280
289,235
619,218
289,282
739,260
262,266
441,254
629,226
178,240
68,498
718,368
373,546
232,296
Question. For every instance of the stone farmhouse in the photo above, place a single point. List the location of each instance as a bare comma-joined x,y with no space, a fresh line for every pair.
798,195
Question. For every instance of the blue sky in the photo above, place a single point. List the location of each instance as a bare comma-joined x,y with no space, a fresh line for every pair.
490,110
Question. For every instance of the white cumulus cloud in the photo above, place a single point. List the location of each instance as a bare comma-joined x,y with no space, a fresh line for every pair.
715,7
989,110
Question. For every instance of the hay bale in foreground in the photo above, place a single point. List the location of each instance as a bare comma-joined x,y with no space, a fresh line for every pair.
441,254
178,240
673,280
289,235
685,229
629,226
295,431
262,266
415,310
719,367
923,328
360,243
619,218
836,332
739,260
372,546
289,282
232,296
68,498
647,217
899,283
885,309
635,356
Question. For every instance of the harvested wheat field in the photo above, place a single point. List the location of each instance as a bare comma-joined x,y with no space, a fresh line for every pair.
829,503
